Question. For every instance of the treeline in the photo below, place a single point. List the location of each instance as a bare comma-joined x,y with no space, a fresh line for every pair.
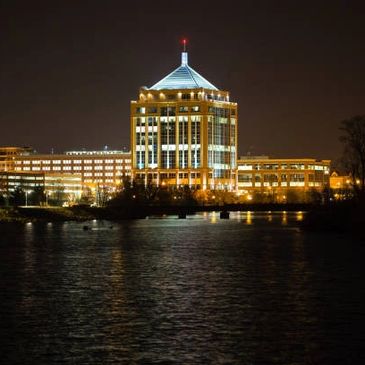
139,194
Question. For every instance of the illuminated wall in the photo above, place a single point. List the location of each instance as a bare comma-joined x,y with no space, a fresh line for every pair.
184,132
279,176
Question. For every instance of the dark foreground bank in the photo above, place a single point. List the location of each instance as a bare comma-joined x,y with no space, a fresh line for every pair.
338,217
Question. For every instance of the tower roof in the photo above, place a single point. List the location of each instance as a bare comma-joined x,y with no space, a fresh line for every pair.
184,77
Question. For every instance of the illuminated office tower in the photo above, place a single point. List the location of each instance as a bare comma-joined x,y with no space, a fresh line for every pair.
184,132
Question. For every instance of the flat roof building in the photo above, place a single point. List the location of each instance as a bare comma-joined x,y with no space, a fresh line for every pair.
279,177
7,155
96,168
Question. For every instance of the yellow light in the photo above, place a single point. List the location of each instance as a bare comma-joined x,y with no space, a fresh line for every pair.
249,218
214,218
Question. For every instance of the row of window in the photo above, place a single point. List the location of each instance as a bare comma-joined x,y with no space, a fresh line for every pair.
282,166
72,168
280,184
275,177
68,162
171,111
98,174
166,176
185,96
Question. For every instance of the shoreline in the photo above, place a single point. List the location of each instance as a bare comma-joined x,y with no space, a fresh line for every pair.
81,213
345,217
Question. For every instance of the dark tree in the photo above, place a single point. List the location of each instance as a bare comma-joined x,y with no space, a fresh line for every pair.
353,157
37,196
17,197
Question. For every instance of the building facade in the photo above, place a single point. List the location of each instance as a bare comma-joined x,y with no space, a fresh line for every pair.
7,155
184,132
96,168
69,175
65,187
278,177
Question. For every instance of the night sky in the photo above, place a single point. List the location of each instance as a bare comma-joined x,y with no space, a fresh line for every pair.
70,68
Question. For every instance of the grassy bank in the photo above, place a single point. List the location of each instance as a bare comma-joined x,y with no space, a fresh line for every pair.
35,214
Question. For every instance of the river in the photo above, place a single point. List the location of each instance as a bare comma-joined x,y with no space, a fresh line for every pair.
254,289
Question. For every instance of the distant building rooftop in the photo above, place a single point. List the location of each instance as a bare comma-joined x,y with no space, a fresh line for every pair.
100,152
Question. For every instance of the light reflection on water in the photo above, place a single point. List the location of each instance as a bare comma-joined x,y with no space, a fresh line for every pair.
253,289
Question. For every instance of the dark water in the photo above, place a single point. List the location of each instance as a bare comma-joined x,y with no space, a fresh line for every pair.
250,290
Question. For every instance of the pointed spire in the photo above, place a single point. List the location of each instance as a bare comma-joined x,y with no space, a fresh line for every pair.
184,58
184,77
184,54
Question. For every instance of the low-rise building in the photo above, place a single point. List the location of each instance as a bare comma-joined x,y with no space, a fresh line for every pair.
67,185
7,155
279,177
96,168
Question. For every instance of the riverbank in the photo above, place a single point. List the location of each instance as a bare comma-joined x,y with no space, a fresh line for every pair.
339,217
83,213
345,217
